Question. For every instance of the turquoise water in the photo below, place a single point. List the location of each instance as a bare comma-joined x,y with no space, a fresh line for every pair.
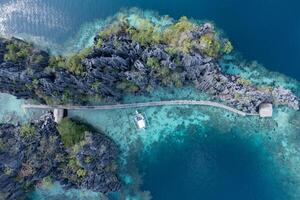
186,152
259,156
201,151
246,175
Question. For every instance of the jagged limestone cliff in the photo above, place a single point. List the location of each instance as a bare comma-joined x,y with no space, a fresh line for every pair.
134,58
34,152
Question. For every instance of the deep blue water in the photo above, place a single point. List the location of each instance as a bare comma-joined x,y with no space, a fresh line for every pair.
263,30
219,166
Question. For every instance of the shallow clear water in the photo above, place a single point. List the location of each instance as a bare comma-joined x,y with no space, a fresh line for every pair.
186,152
199,150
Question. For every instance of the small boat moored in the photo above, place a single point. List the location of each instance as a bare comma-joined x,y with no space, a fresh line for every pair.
139,120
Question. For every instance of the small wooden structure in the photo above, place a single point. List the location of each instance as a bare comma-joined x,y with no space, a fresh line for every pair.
265,110
58,114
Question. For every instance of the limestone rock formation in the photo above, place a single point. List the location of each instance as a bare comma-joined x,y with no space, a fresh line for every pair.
123,62
31,152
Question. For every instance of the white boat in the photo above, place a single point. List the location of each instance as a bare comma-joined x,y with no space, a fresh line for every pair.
139,120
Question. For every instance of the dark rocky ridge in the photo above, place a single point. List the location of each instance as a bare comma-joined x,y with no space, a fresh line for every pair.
120,65
103,153
26,160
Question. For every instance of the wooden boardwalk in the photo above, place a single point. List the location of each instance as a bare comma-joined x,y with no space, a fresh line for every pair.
139,105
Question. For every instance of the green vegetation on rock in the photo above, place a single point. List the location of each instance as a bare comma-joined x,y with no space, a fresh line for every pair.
35,82
153,63
72,132
75,167
67,96
47,182
91,98
237,96
27,130
244,82
227,47
57,61
16,51
72,63
2,145
145,33
127,86
176,35
81,173
113,28
88,159
176,80
38,59
7,170
164,74
210,45
96,85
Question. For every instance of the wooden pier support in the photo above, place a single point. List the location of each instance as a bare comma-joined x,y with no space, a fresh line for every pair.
59,114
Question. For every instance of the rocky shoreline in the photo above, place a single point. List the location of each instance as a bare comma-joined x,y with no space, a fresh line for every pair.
31,153
129,58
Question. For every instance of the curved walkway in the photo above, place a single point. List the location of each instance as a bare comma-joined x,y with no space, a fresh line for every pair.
139,105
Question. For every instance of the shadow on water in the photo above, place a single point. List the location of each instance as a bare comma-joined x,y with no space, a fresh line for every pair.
211,166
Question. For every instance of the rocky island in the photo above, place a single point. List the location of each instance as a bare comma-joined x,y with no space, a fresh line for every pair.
133,58
40,152
127,57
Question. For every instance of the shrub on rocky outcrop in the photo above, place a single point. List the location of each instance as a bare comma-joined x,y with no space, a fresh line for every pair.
176,79
96,85
81,173
210,45
127,86
71,131
15,52
57,61
244,82
145,32
227,47
153,63
111,29
27,130
38,59
47,182
176,35
74,64
73,171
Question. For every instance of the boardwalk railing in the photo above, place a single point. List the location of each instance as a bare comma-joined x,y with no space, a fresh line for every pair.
139,105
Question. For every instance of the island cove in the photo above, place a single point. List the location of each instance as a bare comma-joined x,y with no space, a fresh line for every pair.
132,56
